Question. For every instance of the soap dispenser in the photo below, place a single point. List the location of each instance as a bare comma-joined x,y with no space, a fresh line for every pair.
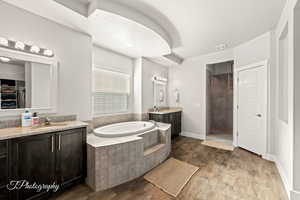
26,118
35,119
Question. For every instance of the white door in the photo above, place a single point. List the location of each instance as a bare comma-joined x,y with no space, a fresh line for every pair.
252,109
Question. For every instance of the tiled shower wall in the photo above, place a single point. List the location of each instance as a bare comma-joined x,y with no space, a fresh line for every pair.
220,98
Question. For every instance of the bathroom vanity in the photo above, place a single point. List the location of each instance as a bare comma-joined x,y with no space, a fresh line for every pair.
170,116
54,154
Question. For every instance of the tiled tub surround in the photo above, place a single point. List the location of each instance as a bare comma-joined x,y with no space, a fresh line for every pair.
113,161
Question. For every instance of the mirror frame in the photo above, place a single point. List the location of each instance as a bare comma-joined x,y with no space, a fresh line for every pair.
53,79
156,84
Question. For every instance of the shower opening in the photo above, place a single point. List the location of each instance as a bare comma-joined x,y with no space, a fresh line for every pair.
219,102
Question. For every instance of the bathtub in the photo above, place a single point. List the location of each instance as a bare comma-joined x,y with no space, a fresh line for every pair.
123,159
124,129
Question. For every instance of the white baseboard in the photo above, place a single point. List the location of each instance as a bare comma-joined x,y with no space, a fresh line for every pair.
193,135
295,195
284,179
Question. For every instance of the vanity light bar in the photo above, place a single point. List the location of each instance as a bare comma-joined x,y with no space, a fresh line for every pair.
20,46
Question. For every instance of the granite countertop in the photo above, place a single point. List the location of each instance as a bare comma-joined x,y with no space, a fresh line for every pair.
167,110
9,133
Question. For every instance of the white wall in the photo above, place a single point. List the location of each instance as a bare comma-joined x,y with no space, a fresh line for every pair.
253,51
284,145
190,79
72,49
150,69
137,82
296,165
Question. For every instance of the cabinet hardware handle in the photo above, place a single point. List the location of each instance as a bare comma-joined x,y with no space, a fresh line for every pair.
52,144
59,142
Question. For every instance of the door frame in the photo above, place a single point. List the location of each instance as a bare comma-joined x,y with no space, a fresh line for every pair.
237,69
205,96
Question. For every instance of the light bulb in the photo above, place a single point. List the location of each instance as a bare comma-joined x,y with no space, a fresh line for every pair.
3,41
19,45
48,52
4,59
35,49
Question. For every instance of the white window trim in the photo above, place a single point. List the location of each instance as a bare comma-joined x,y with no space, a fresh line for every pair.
129,97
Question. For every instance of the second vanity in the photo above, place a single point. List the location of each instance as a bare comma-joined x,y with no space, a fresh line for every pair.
54,155
170,116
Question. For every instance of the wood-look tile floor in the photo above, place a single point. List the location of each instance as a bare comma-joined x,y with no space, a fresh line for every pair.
223,175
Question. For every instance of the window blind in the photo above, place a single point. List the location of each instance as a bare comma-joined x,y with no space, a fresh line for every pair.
111,92
110,81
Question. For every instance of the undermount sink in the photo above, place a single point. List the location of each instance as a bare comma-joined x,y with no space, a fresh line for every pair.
57,124
50,125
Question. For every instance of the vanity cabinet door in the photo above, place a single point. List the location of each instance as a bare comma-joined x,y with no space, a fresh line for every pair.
3,170
4,195
71,156
177,123
33,161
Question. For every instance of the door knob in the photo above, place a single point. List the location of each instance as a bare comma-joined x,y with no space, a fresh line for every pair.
258,115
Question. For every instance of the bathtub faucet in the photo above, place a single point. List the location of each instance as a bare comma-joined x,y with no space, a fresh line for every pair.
154,122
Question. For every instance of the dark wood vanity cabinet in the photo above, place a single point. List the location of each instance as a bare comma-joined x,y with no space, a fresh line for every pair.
173,118
3,170
33,160
71,157
53,158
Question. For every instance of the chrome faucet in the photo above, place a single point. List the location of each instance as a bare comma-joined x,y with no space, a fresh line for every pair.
155,109
47,121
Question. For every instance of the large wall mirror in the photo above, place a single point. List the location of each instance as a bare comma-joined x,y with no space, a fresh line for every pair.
27,81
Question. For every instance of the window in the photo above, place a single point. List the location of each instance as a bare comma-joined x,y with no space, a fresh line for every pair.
111,92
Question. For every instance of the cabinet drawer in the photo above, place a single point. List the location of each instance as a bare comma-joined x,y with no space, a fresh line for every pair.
4,194
3,147
3,171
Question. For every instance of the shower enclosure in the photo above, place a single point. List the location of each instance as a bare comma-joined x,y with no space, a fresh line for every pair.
219,94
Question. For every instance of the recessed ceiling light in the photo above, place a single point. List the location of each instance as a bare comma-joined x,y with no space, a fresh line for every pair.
35,49
3,41
48,52
19,45
4,59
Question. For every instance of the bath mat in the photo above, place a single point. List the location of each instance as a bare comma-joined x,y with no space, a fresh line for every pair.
218,145
171,176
